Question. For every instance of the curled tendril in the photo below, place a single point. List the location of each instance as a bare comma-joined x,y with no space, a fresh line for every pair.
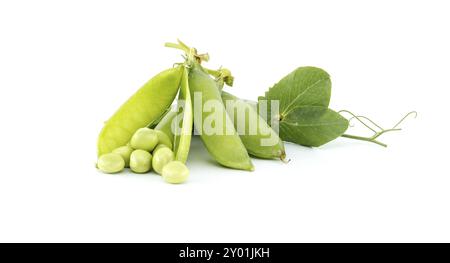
359,118
406,116
381,130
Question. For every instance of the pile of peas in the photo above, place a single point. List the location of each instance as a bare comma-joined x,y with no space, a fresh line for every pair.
147,150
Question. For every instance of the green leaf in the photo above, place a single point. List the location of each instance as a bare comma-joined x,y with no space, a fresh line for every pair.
305,86
312,125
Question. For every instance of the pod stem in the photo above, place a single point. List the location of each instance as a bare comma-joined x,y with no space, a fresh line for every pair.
377,130
191,53
283,158
222,75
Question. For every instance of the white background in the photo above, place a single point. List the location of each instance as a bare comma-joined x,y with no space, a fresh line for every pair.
65,66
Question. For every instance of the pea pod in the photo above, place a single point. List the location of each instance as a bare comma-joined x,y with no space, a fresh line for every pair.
259,138
165,125
182,140
144,107
226,148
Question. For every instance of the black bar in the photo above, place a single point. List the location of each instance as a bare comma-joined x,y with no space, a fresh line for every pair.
232,252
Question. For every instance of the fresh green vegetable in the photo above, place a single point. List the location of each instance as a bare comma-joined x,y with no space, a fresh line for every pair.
175,172
144,139
140,161
224,146
259,139
110,163
159,146
161,157
146,105
183,140
296,109
163,138
125,152
165,125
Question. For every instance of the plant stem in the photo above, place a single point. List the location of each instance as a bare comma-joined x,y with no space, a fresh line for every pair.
367,139
191,53
212,72
177,46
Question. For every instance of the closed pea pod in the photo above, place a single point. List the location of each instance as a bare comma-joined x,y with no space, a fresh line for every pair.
145,106
226,148
259,138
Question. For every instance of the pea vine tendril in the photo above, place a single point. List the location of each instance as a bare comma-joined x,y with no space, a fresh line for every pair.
374,127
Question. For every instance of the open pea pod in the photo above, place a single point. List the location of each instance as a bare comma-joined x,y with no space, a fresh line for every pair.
182,141
144,107
165,125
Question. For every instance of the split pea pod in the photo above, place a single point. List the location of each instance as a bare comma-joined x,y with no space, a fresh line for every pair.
182,140
165,125
212,122
259,138
144,107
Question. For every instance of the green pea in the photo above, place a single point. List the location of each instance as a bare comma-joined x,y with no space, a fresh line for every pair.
159,146
125,152
144,107
161,157
144,139
140,161
110,163
163,138
175,172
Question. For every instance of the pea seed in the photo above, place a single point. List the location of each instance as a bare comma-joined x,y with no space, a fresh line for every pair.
161,157
125,152
110,163
159,146
163,138
144,139
140,161
175,172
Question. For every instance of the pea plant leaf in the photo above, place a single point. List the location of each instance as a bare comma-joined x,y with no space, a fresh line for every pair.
305,86
312,125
